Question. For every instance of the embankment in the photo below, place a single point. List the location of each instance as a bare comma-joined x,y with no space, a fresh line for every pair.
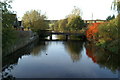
23,38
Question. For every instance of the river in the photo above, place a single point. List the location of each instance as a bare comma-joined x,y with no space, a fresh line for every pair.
61,59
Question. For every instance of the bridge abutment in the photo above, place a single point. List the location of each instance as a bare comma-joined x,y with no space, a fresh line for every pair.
66,37
51,37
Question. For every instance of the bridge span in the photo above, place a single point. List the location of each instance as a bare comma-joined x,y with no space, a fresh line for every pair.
67,34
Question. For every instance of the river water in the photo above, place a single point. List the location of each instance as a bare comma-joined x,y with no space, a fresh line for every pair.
61,59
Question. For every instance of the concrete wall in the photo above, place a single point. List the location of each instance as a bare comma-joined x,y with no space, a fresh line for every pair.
24,38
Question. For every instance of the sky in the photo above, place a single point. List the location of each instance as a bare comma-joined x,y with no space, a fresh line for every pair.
59,9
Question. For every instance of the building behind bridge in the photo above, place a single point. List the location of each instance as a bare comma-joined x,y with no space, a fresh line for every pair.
85,21
94,21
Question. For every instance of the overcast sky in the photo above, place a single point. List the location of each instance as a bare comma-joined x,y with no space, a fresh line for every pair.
58,9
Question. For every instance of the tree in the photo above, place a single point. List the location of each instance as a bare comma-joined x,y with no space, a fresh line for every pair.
110,17
5,6
75,21
62,24
35,20
8,17
108,35
116,5
92,30
9,35
72,22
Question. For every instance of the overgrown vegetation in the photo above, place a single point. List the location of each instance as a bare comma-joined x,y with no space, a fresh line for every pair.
105,34
9,35
108,35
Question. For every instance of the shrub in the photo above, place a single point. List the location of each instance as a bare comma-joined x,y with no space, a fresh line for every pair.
107,35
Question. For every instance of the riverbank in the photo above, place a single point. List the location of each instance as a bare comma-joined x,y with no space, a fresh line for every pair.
23,38
105,35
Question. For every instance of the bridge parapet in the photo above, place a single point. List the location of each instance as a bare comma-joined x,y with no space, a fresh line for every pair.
67,33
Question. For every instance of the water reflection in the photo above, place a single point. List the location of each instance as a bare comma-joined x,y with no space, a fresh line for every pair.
74,48
6,75
14,57
10,61
40,48
58,62
102,57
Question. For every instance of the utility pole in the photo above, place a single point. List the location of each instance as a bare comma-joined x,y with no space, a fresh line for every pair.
92,16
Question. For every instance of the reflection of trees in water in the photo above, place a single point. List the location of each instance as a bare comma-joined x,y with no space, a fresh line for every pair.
103,58
39,48
61,37
71,37
8,62
74,48
13,57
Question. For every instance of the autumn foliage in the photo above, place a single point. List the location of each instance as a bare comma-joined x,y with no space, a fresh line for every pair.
92,29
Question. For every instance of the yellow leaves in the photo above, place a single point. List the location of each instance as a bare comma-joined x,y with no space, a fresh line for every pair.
35,20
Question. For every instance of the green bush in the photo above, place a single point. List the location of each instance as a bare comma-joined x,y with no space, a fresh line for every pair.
108,35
